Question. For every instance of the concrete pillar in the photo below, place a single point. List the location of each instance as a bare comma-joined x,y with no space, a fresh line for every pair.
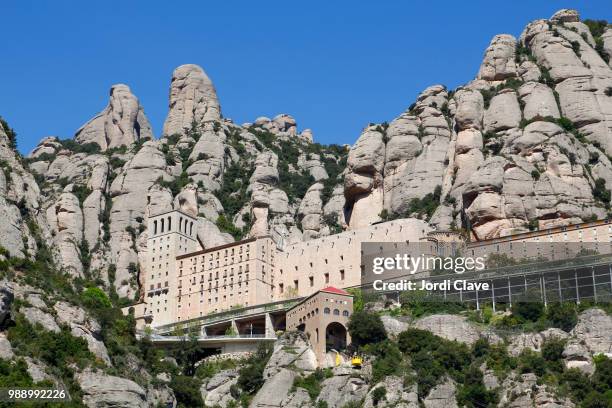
594,285
543,289
509,293
269,326
576,283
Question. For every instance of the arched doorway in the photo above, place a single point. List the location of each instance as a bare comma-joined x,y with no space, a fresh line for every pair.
335,336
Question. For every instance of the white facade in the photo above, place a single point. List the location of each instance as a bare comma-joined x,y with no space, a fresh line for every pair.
171,235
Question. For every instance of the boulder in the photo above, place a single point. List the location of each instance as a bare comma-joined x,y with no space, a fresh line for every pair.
498,63
292,349
101,391
36,316
442,395
6,350
193,99
121,123
397,394
340,390
216,391
275,390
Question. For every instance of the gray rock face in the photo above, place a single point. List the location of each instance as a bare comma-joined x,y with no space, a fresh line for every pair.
442,396
503,113
591,335
216,391
397,394
275,390
193,99
533,341
522,391
122,122
6,350
340,390
84,327
310,212
363,183
36,316
393,326
17,186
66,219
499,63
453,327
292,349
594,329
162,396
102,390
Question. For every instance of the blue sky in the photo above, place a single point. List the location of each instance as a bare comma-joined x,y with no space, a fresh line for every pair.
335,66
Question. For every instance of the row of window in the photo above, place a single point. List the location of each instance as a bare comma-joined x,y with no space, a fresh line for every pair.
296,283
185,226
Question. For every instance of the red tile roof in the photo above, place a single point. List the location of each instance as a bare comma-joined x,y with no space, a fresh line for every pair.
331,289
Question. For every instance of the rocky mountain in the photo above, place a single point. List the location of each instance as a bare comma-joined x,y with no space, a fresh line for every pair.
524,145
250,179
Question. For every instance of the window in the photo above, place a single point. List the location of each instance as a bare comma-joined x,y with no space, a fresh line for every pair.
169,224
311,279
345,313
341,274
281,288
154,228
336,312
295,284
326,310
327,278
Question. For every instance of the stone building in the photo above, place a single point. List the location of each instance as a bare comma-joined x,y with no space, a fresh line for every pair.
171,235
234,275
323,316
183,281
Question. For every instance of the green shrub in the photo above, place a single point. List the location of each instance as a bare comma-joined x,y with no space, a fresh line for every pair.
366,328
419,303
528,311
473,392
562,315
187,391
600,192
10,133
14,374
426,205
598,28
499,360
577,383
95,298
531,362
250,377
387,361
233,195
311,383
414,340
226,225
379,394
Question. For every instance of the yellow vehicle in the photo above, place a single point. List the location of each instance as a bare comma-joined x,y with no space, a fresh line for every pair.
356,361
